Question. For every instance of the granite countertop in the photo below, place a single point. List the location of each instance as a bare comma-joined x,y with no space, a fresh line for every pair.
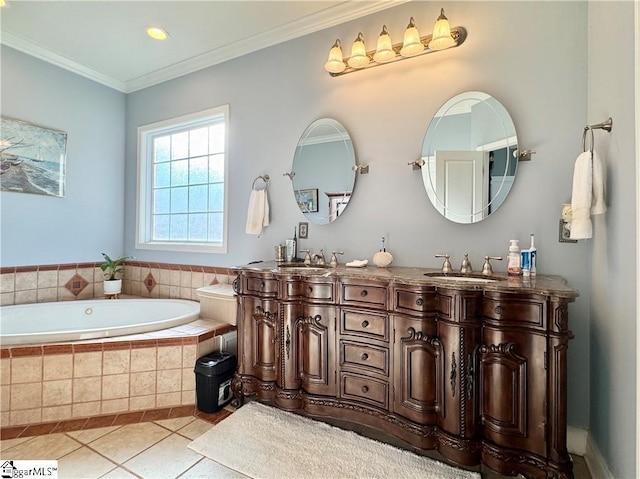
540,284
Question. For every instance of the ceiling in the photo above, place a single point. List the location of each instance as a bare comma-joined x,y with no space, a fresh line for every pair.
106,40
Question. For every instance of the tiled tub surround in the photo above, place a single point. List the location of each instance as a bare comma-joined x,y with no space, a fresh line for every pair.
51,383
67,282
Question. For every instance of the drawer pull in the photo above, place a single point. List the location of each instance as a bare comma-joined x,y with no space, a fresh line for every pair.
262,285
498,310
365,323
309,290
419,302
363,293
364,389
364,356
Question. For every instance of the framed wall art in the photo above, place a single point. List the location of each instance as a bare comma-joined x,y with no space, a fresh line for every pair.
307,200
33,158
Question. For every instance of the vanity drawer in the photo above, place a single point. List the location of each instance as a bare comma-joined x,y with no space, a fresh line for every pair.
362,388
360,355
371,325
363,293
314,291
518,310
414,301
260,286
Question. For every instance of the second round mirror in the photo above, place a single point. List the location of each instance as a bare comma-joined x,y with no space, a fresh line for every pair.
469,166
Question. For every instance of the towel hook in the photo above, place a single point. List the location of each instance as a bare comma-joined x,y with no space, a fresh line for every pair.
264,178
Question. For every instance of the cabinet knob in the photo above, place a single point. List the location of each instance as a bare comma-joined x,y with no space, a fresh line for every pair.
419,302
364,389
365,323
262,285
309,290
363,293
498,310
364,356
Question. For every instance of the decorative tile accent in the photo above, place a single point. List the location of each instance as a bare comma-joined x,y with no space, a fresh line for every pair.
76,284
150,282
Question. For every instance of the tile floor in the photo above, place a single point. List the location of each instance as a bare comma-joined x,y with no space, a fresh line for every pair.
154,450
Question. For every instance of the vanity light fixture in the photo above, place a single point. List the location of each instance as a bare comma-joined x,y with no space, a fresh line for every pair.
157,33
443,37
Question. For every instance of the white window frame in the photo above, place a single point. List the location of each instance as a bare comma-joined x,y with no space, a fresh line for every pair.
145,182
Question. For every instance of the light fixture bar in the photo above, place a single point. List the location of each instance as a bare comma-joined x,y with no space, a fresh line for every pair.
459,35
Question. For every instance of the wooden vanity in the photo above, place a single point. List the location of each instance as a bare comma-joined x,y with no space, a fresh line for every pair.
475,370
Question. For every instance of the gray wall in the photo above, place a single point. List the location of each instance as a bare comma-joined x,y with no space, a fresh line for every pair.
612,253
542,79
276,93
39,229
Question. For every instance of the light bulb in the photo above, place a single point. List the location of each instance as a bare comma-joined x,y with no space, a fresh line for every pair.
412,45
359,58
384,51
335,63
441,38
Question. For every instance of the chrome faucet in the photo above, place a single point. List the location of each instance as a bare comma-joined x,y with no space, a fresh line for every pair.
487,270
319,258
446,266
465,267
334,259
307,256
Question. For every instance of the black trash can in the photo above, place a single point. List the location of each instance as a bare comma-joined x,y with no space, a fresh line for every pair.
213,380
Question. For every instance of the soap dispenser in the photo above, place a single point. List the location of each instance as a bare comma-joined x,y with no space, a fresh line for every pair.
382,258
513,260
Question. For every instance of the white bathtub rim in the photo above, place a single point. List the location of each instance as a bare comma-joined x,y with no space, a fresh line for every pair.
36,338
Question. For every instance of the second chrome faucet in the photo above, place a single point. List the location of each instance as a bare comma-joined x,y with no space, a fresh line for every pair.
465,267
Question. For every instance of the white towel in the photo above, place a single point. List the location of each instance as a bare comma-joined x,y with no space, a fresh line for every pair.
587,197
258,213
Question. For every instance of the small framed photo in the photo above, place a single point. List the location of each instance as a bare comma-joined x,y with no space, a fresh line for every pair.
307,200
303,230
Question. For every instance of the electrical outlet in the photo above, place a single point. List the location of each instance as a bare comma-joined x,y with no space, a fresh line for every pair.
563,233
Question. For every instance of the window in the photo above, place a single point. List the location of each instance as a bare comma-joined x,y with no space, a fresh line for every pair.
182,190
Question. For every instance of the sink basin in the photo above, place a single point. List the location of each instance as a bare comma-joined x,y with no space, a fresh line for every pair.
460,279
301,267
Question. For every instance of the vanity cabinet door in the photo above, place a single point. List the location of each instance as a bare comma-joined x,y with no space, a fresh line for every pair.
315,348
418,370
512,386
259,338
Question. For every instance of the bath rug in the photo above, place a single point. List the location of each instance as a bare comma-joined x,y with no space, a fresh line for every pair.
260,441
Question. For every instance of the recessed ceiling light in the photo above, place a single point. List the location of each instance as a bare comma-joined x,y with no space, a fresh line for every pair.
155,32
3,3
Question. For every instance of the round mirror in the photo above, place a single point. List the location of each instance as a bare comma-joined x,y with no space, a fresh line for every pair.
323,171
468,153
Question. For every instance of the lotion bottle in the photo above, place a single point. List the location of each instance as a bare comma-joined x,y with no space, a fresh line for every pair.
513,259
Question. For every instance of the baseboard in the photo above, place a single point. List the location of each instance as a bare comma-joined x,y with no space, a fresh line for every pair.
577,441
595,462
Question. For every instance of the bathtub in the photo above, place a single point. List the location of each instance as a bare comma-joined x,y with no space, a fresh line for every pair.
90,319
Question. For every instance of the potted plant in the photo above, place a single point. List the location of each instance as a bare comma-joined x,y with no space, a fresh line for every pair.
112,268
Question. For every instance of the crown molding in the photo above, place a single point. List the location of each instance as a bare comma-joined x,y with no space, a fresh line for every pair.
42,53
327,18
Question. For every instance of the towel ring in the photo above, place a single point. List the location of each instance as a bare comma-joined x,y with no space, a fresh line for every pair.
264,178
584,139
606,125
